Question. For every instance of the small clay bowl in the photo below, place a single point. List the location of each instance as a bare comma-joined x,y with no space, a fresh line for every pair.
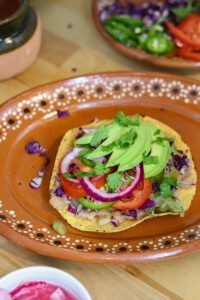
20,39
162,61
47,274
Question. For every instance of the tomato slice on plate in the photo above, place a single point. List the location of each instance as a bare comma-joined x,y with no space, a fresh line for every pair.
75,190
188,31
188,53
139,197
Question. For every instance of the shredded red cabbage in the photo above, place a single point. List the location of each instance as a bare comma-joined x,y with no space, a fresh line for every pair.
36,182
148,204
150,12
59,192
169,166
34,147
181,161
71,209
115,222
80,134
79,208
131,213
62,113
155,187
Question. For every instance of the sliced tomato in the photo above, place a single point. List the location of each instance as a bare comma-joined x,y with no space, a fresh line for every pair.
75,190
188,53
191,39
139,197
72,189
191,27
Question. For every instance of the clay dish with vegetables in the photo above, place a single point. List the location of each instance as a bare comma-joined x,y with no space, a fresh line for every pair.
161,33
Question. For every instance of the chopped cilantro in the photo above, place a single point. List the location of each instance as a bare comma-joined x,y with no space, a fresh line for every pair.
67,175
165,190
84,152
150,160
173,149
157,132
114,181
182,12
160,140
85,174
136,120
166,185
122,120
100,168
127,179
127,139
109,147
100,134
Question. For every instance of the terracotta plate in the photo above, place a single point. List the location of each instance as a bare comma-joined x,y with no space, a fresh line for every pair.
26,215
163,61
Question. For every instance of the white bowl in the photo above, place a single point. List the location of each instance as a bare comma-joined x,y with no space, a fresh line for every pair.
47,274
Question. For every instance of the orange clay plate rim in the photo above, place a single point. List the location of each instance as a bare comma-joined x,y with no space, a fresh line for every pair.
162,61
25,214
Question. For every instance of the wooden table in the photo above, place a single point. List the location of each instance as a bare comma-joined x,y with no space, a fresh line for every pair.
72,46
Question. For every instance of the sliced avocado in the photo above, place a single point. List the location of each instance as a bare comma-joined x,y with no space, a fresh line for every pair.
99,151
162,151
86,139
134,154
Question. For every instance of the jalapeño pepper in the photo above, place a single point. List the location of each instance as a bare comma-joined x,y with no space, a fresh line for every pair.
95,205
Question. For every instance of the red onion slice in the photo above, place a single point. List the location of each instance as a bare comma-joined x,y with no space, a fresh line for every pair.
93,192
67,160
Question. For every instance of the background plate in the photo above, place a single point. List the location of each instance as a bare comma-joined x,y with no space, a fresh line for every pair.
25,214
162,61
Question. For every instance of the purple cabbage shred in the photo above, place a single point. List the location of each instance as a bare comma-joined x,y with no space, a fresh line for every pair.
155,187
131,213
62,113
169,166
150,12
115,222
71,209
59,192
34,147
80,133
148,204
181,161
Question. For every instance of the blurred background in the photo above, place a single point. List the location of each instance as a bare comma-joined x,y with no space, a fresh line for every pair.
71,45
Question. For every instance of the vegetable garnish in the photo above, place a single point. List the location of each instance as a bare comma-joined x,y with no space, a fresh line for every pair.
122,120
100,134
114,181
62,113
100,168
166,186
181,12
34,147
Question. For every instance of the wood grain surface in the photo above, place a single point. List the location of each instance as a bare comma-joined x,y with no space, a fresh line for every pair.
72,46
